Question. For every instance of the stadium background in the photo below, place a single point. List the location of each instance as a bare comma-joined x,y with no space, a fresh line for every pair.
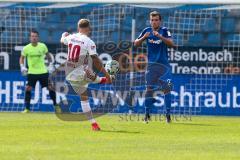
210,31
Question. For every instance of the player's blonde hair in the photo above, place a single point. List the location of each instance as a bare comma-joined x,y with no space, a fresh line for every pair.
83,23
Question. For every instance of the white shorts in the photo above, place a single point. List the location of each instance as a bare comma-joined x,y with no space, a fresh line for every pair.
80,77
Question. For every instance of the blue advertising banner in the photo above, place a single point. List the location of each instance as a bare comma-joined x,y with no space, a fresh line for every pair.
191,93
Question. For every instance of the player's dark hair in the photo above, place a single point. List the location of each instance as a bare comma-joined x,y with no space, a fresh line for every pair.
156,13
83,23
34,31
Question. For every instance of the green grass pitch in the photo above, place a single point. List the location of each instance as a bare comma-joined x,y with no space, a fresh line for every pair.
38,136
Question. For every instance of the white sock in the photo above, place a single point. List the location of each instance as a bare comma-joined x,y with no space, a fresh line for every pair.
87,109
85,106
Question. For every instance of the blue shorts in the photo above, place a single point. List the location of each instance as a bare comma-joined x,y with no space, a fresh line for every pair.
157,75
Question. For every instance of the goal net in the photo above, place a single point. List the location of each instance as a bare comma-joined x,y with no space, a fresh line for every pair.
204,61
15,24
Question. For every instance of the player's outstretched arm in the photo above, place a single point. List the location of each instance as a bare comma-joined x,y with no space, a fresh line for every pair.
63,39
99,66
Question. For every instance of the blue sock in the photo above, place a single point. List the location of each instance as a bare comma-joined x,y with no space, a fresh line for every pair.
167,100
149,100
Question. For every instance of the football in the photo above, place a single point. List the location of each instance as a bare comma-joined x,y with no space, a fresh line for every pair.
112,67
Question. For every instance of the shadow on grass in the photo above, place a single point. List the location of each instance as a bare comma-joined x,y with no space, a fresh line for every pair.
194,124
120,131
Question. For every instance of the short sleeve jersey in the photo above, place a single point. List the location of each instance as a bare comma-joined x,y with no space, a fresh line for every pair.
35,58
79,44
157,49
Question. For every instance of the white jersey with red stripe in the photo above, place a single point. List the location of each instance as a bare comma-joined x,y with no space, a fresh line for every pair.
80,49
79,46
78,67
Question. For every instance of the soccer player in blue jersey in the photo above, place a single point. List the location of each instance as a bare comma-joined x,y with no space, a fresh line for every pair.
158,74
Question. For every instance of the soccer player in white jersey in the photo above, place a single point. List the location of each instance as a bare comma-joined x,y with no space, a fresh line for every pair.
81,55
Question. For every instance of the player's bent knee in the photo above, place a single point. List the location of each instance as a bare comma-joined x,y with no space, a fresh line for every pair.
50,88
167,88
84,96
150,88
28,88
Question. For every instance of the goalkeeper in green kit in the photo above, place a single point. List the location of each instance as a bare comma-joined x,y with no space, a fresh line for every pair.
35,53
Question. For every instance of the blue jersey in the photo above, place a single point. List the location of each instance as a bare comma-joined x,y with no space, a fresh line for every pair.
157,49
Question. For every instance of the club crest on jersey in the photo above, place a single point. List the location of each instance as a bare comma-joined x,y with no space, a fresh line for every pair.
155,42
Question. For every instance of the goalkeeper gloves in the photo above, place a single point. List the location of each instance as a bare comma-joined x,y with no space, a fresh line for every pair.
23,69
51,68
